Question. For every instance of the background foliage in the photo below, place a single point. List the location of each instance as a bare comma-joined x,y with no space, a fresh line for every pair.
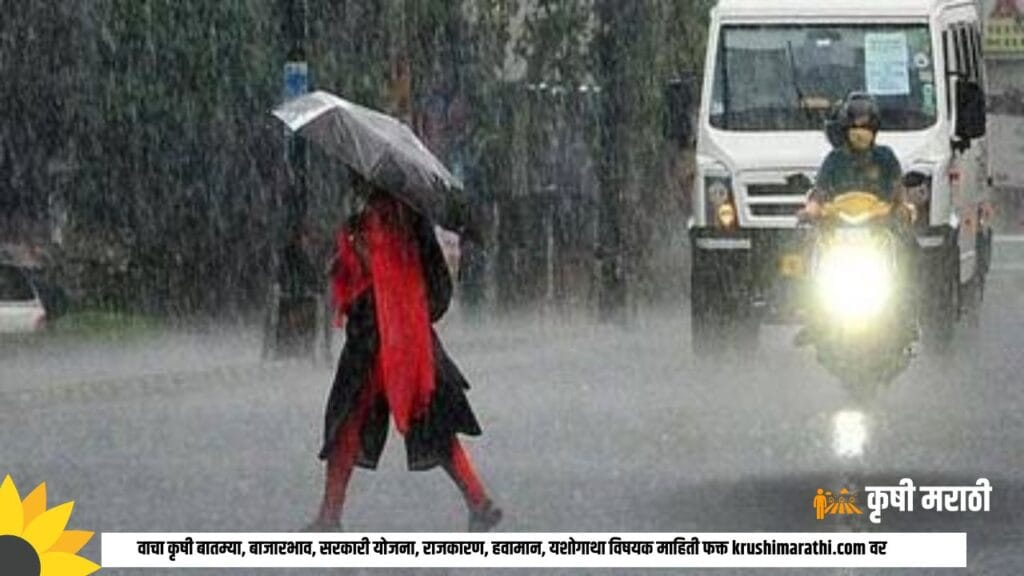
145,123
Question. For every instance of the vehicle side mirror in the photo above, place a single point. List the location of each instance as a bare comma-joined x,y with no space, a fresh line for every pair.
970,110
913,179
799,183
681,100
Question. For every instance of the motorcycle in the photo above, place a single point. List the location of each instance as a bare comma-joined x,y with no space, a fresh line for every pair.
861,303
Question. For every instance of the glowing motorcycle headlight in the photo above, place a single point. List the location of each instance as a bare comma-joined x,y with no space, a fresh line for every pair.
854,281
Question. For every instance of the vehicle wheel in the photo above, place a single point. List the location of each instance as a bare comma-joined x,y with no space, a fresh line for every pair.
704,334
971,297
971,308
864,381
863,389
721,317
942,301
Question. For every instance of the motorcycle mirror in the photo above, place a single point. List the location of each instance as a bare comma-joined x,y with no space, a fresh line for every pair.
913,179
799,183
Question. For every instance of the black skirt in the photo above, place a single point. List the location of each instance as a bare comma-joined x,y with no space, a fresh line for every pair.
429,439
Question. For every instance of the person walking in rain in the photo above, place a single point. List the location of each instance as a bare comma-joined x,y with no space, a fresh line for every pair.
390,280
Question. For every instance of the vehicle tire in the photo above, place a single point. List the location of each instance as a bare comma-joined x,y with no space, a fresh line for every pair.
721,315
972,295
863,389
941,308
980,281
704,336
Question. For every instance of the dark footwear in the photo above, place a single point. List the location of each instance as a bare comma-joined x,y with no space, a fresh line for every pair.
320,526
484,518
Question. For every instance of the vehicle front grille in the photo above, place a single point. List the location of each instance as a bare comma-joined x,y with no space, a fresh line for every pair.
772,199
775,209
759,190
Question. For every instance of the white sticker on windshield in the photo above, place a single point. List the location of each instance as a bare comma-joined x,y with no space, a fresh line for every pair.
928,99
885,64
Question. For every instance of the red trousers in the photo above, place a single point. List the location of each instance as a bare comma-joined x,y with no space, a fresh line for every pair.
342,461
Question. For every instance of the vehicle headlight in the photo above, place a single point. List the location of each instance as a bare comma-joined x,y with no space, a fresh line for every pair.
726,215
718,191
854,281
721,210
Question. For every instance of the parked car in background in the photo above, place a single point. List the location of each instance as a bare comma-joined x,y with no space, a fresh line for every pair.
21,307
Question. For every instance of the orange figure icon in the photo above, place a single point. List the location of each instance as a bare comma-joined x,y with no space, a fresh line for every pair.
819,505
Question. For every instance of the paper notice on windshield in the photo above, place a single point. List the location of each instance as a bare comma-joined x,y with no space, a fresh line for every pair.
886,64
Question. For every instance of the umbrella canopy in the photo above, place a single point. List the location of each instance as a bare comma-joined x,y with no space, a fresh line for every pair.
381,149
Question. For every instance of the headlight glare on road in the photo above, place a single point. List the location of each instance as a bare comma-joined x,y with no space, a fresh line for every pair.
854,282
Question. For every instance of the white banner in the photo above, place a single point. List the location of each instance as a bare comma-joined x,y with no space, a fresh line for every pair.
536,550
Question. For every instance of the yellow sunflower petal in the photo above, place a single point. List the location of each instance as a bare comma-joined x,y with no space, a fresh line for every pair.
35,503
44,531
64,564
71,541
12,516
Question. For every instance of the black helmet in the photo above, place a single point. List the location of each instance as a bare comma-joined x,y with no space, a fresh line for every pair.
860,105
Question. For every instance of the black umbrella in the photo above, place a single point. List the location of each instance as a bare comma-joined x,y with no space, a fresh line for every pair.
383,150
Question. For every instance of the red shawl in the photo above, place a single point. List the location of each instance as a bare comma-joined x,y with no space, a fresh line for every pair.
404,366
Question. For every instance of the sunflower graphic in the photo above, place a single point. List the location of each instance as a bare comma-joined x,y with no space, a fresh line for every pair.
33,541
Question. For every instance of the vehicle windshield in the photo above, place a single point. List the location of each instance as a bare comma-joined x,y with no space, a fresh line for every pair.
788,77
14,287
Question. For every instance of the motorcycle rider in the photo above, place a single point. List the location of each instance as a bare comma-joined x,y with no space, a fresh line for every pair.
857,163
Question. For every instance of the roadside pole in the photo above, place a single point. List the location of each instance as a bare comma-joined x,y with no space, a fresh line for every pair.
296,83
284,333
612,280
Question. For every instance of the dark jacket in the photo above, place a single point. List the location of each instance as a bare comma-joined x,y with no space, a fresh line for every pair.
428,441
876,171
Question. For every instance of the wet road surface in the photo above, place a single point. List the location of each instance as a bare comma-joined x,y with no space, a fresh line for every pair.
588,428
